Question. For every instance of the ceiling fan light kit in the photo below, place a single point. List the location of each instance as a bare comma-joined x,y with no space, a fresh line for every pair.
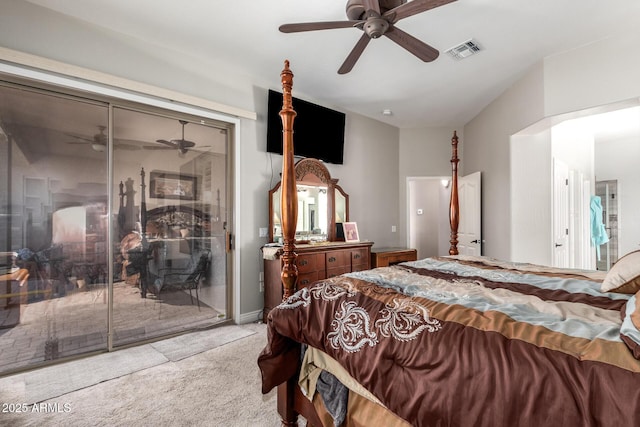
98,142
377,18
182,145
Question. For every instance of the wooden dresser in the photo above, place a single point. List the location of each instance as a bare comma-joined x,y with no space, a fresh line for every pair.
314,262
384,257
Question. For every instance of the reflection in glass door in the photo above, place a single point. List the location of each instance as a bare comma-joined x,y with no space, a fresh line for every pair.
89,263
53,225
169,232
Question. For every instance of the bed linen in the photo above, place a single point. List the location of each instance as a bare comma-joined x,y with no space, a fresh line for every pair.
468,341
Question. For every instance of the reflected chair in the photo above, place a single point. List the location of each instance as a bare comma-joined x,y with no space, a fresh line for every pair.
186,278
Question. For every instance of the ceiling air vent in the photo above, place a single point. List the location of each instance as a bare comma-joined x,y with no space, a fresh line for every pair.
464,50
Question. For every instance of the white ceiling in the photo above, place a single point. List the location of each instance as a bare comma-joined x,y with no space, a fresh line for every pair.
515,34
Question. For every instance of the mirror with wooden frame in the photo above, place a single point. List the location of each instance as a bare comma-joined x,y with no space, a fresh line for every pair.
321,204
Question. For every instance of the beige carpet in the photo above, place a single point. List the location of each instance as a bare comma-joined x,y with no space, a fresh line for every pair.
217,387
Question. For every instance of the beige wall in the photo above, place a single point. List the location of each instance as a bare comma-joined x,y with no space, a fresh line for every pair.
424,152
585,77
487,150
531,198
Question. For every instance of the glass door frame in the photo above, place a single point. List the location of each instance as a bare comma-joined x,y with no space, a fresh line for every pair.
117,97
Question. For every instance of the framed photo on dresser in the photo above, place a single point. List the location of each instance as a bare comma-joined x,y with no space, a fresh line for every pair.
350,232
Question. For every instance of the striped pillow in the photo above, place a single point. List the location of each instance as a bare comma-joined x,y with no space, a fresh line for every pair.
624,276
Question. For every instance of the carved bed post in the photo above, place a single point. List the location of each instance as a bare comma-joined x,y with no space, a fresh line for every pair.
289,199
454,215
143,204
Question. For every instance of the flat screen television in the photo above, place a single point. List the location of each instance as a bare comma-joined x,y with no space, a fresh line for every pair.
318,132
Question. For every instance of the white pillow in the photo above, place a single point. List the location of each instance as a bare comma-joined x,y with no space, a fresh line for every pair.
624,276
630,328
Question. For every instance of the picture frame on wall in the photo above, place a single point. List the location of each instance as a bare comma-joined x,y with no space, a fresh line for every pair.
165,185
350,230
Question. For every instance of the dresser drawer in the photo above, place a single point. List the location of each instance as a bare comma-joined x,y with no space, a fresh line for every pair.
335,259
336,271
306,279
359,259
309,262
360,267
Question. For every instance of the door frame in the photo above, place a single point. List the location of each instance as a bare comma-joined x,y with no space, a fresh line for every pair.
440,179
410,179
560,206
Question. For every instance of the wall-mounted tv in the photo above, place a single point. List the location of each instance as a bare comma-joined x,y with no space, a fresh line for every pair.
318,132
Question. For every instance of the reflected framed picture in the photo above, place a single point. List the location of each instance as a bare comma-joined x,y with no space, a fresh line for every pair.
350,230
165,185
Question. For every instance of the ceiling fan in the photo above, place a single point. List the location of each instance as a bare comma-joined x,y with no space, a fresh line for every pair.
377,18
99,141
182,145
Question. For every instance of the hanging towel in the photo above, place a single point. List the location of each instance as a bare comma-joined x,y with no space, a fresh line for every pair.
598,231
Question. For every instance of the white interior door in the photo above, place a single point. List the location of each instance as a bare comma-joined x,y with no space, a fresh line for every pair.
560,214
469,230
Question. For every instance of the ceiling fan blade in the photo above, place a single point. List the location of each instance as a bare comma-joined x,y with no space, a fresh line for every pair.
165,142
83,138
412,8
126,147
314,26
371,5
354,55
158,147
133,142
412,44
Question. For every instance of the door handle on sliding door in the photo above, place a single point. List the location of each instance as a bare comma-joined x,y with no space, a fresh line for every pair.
229,242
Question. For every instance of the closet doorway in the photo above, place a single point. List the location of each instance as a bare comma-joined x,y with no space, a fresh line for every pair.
608,192
428,215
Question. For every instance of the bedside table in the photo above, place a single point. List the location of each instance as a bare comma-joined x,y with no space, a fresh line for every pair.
383,257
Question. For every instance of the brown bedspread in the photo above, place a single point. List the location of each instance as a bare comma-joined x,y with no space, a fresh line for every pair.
442,343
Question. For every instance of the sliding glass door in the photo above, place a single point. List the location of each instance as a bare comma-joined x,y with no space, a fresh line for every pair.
169,232
113,223
53,292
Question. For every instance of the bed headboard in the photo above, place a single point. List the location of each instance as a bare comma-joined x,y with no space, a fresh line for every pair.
289,199
177,221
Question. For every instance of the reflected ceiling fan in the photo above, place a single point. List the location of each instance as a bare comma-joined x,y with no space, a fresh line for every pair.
99,141
182,145
377,18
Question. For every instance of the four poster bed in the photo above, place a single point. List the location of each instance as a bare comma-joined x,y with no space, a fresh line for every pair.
454,340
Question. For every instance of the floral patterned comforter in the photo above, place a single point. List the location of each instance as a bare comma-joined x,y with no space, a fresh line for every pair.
468,341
